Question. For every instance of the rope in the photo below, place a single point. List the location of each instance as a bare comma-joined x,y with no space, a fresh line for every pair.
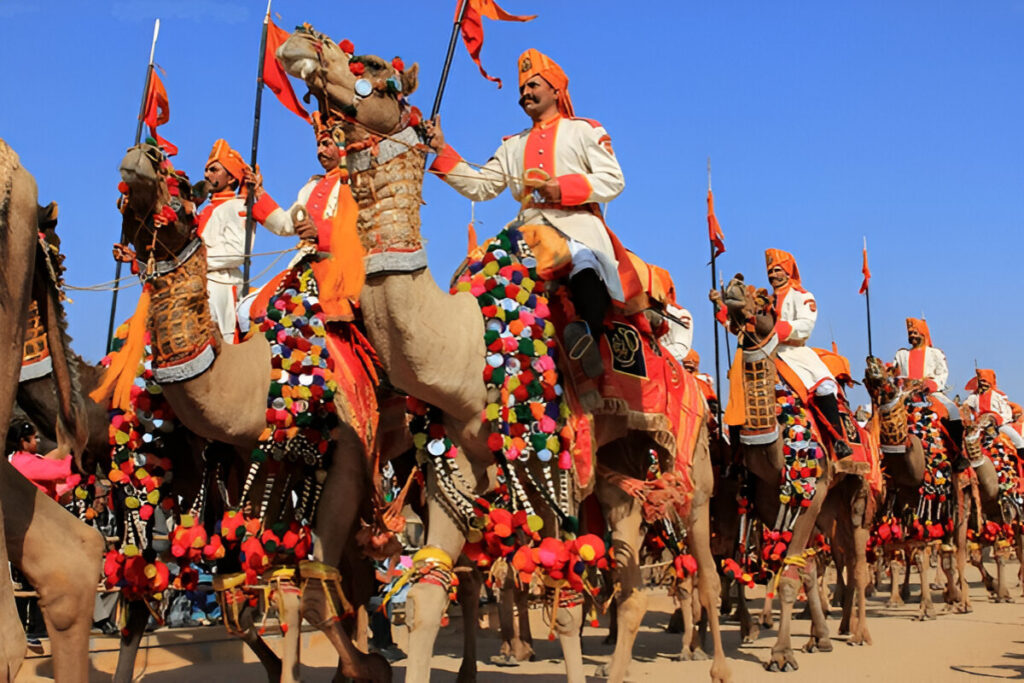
799,561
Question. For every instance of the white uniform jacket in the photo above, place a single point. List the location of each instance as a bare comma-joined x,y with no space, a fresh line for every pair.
679,338
796,314
578,152
933,368
991,402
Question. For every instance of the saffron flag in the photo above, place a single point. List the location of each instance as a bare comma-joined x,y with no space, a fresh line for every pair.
473,27
158,110
867,272
714,229
274,76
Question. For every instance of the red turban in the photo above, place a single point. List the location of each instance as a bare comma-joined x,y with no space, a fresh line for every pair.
536,63
692,356
986,375
785,260
231,160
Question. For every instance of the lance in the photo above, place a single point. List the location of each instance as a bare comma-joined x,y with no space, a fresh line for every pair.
459,16
867,302
250,224
714,313
138,139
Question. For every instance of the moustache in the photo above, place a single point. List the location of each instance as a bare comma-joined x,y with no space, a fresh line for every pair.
527,98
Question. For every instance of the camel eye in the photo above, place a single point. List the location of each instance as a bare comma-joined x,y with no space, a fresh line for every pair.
363,87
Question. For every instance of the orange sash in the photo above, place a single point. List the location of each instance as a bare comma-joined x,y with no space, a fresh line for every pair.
915,363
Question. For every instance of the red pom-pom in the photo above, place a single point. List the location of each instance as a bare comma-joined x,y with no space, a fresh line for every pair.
122,187
398,64
357,68
347,47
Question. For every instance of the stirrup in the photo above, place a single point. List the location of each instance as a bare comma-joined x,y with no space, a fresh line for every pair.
582,347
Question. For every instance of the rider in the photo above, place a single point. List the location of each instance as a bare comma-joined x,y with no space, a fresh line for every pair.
691,363
922,361
562,168
796,312
988,400
222,229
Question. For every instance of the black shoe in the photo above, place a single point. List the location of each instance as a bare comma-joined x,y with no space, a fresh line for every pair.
581,346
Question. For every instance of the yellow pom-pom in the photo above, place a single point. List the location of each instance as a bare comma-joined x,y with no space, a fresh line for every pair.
587,553
535,523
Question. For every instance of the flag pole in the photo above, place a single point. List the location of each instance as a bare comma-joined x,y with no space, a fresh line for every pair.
138,139
867,301
250,224
714,314
448,58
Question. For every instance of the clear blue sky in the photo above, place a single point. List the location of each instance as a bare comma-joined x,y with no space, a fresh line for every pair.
896,121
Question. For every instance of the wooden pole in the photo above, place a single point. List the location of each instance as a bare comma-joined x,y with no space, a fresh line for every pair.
448,58
714,316
138,139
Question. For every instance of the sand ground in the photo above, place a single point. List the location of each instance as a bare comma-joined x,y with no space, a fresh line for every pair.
986,644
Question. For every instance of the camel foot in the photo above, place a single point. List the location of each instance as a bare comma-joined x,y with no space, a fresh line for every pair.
766,621
467,673
782,661
751,634
862,638
927,614
609,639
1004,598
697,655
844,629
503,660
720,672
602,670
895,601
818,645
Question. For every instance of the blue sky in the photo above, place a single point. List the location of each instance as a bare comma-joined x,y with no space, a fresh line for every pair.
825,123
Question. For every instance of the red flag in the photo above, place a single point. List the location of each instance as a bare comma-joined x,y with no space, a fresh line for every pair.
274,76
158,110
867,272
473,27
714,229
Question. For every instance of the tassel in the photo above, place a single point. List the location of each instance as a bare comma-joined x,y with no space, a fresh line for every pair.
473,245
117,381
344,274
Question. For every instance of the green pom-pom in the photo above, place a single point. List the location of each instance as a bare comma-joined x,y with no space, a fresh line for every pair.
570,525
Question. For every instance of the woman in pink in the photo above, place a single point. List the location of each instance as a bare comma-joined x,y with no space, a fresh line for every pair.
52,476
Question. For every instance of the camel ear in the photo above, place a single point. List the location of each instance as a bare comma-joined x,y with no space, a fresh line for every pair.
410,79
47,217
200,191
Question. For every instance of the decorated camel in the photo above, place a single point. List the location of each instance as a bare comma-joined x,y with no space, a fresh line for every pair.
794,478
432,346
220,392
923,511
59,555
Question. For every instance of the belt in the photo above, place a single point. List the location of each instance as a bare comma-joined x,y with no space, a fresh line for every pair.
579,208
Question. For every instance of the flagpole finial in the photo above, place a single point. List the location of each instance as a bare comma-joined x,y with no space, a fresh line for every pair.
152,47
709,174
266,17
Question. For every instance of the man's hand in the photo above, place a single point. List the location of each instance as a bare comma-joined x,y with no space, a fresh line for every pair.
435,138
305,228
254,180
551,191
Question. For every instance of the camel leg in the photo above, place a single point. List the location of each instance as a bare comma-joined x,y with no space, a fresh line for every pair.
506,622
766,618
1018,544
960,532
819,640
426,601
860,577
924,568
624,517
568,623
782,658
951,595
61,558
522,645
1002,583
289,599
749,629
708,584
352,663
12,633
685,603
468,593
895,573
131,638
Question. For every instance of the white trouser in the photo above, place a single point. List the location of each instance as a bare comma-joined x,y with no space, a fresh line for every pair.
1017,439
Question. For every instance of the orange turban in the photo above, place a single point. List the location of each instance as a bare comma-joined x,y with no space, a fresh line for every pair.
231,160
777,257
921,327
536,63
1016,409
692,357
986,375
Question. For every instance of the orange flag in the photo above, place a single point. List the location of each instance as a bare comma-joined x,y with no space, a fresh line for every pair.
864,269
158,110
473,28
274,76
714,229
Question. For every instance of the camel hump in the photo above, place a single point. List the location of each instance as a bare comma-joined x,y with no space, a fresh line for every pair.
9,160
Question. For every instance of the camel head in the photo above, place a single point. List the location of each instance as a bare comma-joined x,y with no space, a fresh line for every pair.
749,309
157,203
880,381
367,92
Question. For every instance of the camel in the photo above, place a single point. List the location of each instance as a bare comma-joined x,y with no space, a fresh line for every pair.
409,319
59,555
908,467
853,508
219,392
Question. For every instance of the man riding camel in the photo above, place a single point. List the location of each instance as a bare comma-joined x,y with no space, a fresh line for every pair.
222,229
924,362
691,363
988,400
796,312
561,168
